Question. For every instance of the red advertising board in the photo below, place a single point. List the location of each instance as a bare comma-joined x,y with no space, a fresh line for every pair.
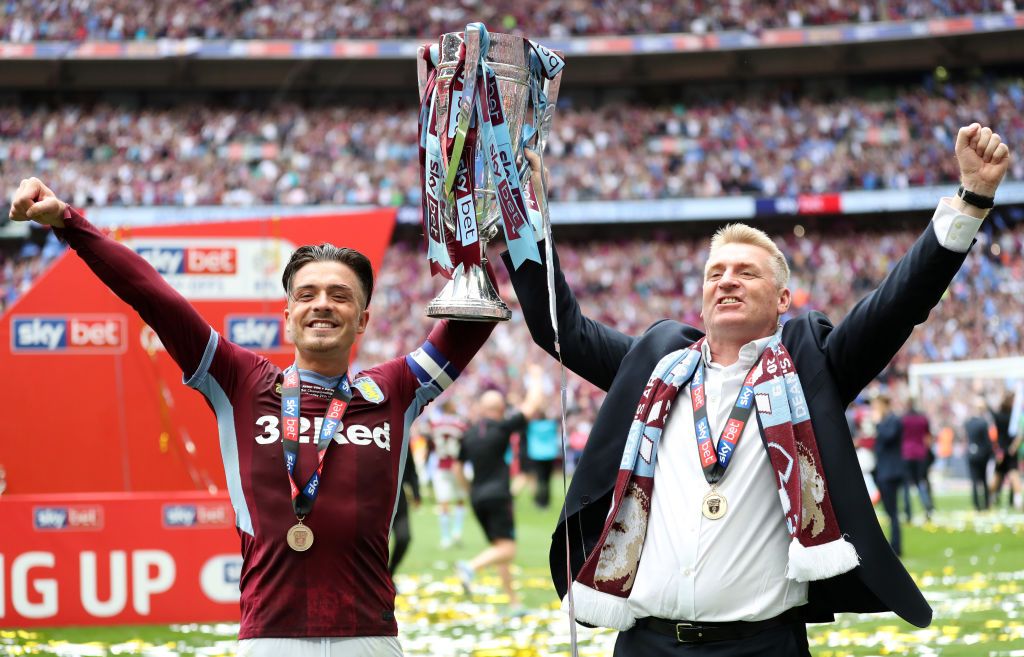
96,404
117,558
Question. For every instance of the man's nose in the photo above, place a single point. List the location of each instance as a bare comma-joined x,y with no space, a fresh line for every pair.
728,279
320,300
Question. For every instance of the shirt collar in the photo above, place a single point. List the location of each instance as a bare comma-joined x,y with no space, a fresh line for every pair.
319,379
749,353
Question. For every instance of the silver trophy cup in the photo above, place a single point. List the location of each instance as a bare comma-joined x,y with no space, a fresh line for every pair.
469,295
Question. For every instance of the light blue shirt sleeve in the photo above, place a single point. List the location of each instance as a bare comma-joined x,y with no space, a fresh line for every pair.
954,230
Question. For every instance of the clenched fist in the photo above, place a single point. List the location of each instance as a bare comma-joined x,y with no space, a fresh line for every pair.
983,158
36,202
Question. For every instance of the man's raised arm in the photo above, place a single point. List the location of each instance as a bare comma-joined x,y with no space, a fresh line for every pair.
589,348
878,326
183,331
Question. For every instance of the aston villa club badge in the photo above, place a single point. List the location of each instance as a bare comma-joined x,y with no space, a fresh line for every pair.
369,389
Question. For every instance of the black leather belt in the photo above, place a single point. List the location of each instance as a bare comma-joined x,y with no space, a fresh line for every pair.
702,631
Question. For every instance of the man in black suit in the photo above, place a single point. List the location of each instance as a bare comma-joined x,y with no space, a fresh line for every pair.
714,576
890,470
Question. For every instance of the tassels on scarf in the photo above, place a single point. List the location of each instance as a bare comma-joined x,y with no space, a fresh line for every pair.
600,609
817,562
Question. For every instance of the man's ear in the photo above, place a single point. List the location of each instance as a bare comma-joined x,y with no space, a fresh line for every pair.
785,299
364,319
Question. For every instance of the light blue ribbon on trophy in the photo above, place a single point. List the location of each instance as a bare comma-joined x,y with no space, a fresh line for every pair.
475,50
499,159
545,65
436,202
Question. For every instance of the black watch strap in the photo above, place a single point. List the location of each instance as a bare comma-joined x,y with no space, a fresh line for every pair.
977,200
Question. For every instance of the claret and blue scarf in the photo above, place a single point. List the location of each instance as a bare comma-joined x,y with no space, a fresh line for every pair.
817,549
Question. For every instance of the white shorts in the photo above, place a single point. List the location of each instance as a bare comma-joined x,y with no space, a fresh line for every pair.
358,646
446,487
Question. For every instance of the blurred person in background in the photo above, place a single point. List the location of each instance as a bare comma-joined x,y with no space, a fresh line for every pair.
1016,429
890,468
483,447
543,448
979,454
862,427
1006,458
338,556
917,459
739,563
444,432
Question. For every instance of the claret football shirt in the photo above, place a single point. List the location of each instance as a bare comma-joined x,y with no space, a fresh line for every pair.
340,586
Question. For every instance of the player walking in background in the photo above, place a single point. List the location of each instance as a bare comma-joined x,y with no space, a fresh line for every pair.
1006,458
917,459
444,438
483,446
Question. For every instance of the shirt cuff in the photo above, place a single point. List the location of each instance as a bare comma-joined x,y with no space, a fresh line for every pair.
955,231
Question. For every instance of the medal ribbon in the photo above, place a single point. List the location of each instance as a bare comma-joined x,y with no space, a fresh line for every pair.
712,461
303,499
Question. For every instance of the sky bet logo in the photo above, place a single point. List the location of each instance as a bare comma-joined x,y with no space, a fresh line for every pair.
58,518
257,332
64,334
191,260
197,515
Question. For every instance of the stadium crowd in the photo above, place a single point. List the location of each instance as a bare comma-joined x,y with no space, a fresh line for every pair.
124,20
766,142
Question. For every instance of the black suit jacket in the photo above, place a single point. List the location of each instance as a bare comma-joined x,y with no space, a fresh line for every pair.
889,449
834,364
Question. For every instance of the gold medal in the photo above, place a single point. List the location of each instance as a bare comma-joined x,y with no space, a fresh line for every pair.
714,505
300,537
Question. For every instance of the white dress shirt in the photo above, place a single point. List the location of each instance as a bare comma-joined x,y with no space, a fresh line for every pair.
734,568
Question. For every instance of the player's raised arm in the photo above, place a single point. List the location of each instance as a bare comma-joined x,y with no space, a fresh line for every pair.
181,328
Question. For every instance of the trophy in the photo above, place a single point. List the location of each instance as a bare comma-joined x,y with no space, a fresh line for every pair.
484,97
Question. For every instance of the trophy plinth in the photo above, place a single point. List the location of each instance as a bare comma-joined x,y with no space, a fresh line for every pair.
469,297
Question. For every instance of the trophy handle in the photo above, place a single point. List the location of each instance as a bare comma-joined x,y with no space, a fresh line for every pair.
421,69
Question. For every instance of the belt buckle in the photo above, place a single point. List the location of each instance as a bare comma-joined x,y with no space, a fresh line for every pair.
682,628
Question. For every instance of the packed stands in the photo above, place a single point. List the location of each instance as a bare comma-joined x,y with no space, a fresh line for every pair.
124,20
777,141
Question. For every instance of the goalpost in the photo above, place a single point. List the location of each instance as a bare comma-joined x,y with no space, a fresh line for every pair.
1007,369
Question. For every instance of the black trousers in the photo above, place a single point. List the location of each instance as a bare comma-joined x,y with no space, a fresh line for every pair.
979,485
917,476
783,641
890,490
543,470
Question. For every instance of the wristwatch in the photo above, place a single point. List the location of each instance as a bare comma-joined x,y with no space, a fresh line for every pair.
977,200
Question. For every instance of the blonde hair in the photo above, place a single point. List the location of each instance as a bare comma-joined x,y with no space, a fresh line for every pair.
744,234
